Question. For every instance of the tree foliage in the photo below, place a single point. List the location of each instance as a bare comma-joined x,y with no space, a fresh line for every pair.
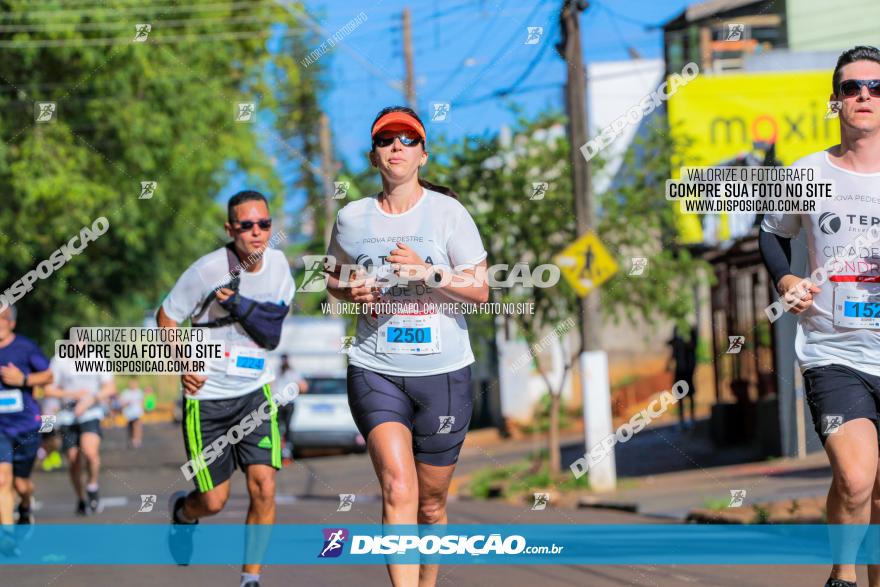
161,110
497,179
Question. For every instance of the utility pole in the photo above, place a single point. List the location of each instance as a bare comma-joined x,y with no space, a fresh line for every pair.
328,166
576,106
410,82
593,361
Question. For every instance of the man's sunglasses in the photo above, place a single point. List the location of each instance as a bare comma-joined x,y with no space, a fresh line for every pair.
853,87
407,140
247,225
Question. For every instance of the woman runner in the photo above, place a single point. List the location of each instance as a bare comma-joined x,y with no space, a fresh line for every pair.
409,371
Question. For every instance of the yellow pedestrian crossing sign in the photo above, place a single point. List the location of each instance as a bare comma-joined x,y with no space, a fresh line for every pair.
586,264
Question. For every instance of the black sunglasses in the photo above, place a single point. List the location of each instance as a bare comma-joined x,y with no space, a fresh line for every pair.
247,225
853,87
407,140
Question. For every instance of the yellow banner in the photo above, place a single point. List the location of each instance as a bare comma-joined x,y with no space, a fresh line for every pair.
725,114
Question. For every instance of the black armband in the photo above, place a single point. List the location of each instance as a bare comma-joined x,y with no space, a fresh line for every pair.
776,253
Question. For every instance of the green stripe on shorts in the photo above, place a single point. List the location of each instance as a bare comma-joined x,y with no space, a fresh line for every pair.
276,442
194,435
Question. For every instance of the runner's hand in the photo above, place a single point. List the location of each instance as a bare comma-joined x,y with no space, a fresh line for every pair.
192,383
415,266
12,375
363,289
83,405
797,292
224,293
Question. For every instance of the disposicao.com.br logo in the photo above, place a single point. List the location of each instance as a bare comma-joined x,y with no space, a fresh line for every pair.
449,544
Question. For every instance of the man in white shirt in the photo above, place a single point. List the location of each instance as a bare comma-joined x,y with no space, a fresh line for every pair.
838,333
82,396
237,385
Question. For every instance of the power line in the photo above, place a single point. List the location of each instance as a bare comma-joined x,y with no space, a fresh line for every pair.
512,89
133,10
525,74
100,26
480,40
642,23
519,91
629,48
301,13
509,44
157,39
438,14
91,3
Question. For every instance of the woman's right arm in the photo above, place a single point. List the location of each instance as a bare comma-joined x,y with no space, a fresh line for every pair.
357,289
335,288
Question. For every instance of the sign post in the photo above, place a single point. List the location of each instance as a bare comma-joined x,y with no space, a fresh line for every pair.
586,264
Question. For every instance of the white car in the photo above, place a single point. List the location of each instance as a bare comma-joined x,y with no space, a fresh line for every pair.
322,418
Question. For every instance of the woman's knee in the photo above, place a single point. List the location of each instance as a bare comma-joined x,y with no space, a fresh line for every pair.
432,509
855,487
398,489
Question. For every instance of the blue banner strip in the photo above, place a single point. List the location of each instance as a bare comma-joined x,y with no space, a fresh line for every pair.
527,544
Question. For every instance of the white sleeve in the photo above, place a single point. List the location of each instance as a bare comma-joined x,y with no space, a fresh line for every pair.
784,225
58,373
463,245
335,249
288,285
186,296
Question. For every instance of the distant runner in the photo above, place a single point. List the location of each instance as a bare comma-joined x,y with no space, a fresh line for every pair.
22,366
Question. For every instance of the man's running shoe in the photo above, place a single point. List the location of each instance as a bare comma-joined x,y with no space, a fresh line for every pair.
81,508
9,545
180,538
840,583
95,504
25,515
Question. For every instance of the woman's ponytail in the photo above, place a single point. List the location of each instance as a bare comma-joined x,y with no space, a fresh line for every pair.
442,189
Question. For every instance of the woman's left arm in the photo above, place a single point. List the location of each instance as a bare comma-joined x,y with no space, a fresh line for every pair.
467,285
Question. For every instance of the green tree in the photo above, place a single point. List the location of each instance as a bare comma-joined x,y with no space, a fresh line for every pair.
497,182
637,221
161,110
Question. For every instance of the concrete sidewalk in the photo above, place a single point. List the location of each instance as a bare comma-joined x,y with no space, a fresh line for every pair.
667,472
675,495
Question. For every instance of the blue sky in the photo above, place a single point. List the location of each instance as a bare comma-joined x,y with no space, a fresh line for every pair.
464,51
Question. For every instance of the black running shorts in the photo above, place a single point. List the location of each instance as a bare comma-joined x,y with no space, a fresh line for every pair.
71,434
206,421
838,394
436,408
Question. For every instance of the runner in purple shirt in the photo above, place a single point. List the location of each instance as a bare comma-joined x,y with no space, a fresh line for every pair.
22,365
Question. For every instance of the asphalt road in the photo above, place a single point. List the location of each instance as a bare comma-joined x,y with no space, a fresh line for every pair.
308,494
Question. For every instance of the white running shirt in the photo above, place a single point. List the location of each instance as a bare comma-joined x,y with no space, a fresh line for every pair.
272,283
830,235
440,230
132,401
66,378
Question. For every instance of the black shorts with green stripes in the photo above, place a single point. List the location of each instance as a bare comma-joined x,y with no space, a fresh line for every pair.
212,458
